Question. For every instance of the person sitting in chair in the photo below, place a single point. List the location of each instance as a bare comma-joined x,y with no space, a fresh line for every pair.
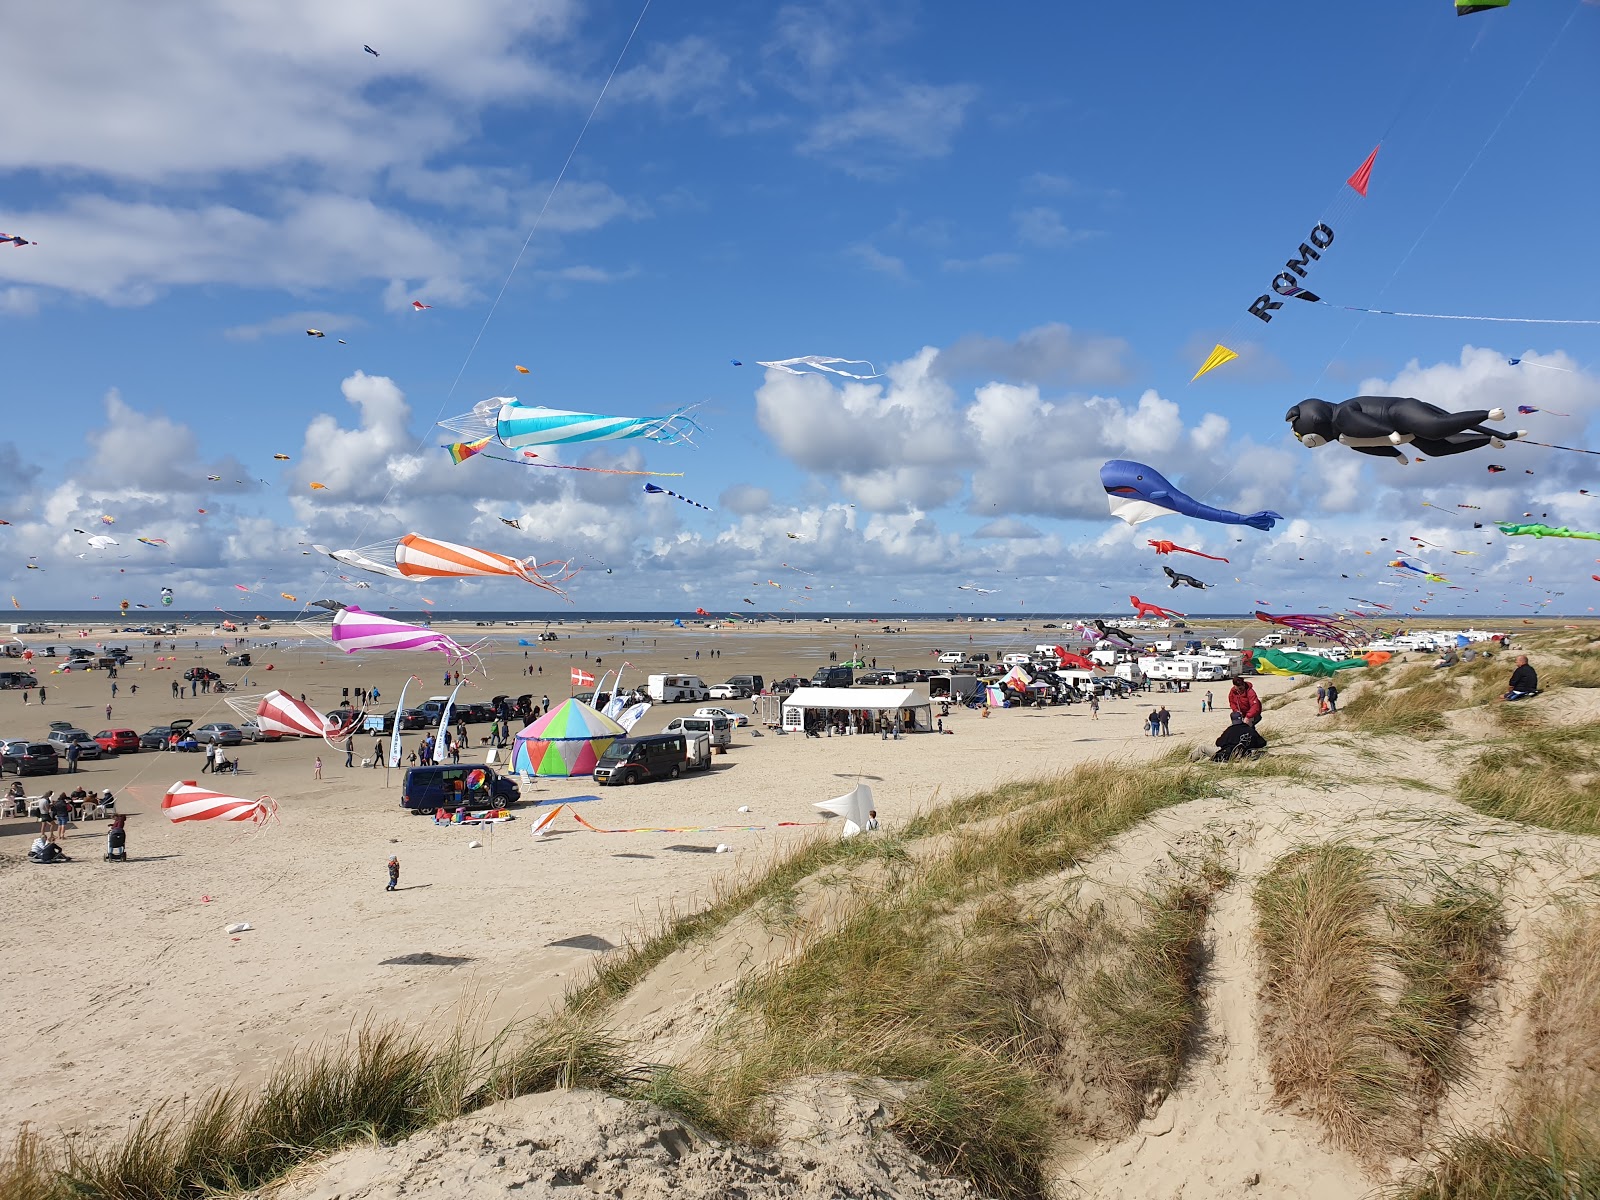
1238,740
1524,680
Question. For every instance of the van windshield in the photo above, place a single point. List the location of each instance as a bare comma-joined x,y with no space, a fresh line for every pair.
617,752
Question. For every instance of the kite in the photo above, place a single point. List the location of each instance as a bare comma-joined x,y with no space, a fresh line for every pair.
1377,425
1165,547
818,362
319,487
419,306
370,51
461,451
166,597
33,566
1495,468
281,457
288,597
517,425
100,541
417,557
1528,410
736,362
350,558
105,520
1465,8
1544,531
355,629
972,587
1110,633
214,478
856,807
1177,577
522,369
1219,355
1068,659
509,521
188,801
661,491
315,333
278,712
1138,493
11,239
1289,662
1363,174
793,537
1152,610
1332,629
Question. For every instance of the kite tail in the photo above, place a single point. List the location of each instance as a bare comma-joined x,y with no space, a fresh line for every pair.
476,425
529,570
679,427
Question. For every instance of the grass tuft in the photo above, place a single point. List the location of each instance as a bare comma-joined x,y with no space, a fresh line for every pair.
1544,776
1411,706
28,1171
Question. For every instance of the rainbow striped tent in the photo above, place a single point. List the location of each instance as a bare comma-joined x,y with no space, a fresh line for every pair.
567,740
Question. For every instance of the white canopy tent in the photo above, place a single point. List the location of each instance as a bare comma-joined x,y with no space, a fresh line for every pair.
857,710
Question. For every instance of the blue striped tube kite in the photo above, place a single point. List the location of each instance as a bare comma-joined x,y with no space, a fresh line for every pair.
661,491
516,425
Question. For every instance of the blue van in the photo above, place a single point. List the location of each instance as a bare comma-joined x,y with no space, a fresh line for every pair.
428,789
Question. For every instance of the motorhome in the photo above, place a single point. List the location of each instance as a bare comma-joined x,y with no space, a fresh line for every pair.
677,689
1230,643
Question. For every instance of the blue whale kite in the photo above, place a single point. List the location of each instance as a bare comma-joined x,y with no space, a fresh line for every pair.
1139,493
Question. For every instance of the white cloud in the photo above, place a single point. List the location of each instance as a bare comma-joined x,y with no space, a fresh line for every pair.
909,120
997,261
18,302
874,259
1044,227
1047,354
295,322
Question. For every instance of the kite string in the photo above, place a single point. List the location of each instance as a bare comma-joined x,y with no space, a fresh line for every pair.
521,252
1389,312
1427,228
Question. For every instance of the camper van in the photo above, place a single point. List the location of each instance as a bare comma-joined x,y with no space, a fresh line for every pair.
718,729
676,689
1230,643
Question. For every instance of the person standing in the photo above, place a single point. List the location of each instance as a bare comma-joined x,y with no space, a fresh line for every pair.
1243,700
316,769
1322,699
350,750
1333,697
41,693
1205,705
1094,706
394,873
1164,718
377,752
108,713
72,759
211,758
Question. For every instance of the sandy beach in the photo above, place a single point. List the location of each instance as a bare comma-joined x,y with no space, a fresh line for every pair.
128,975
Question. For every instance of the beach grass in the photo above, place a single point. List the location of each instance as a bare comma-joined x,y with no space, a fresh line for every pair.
1541,776
28,1171
1410,709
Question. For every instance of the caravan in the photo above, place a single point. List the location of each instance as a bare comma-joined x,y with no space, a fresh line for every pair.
677,689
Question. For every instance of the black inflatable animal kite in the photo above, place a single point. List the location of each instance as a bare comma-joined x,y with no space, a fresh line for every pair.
1177,577
1379,425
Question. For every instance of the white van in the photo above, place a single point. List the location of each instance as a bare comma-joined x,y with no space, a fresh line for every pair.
1230,643
952,658
676,689
1272,639
1016,660
718,729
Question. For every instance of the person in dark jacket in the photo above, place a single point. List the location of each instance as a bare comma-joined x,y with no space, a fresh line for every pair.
1238,740
1524,680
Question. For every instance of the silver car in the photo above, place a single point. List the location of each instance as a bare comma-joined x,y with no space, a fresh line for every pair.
62,738
220,732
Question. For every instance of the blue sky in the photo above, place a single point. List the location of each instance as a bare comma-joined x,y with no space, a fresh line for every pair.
1036,223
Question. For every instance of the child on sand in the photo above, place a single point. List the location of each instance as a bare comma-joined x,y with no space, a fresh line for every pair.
394,873
317,770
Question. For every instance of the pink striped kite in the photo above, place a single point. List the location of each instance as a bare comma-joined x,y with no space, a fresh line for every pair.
354,630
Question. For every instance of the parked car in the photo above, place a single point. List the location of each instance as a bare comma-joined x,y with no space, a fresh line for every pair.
726,691
118,741
718,729
952,657
737,718
658,756
77,664
410,719
87,747
11,680
254,733
221,733
158,738
476,713
427,789
200,674
23,757
239,660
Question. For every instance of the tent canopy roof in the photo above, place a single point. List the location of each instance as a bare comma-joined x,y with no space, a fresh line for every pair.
856,698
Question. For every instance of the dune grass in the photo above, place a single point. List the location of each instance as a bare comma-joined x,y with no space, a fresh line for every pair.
1364,997
1544,776
1410,709
1548,1145
944,981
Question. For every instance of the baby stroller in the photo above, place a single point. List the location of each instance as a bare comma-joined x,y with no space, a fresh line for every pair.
117,841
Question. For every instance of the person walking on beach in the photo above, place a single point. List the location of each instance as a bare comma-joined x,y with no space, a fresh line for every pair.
350,750
1322,699
41,694
377,752
394,873
316,769
1333,697
108,712
113,689
211,758
24,695
1094,707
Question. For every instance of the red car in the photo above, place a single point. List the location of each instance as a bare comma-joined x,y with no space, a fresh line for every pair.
118,741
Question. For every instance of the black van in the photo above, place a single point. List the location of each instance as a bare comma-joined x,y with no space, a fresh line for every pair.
752,684
11,680
841,677
635,760
428,789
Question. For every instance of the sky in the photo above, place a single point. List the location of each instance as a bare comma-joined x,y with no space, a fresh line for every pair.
1033,223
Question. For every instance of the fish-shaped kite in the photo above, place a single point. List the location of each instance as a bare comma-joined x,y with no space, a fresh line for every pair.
661,491
1139,493
370,51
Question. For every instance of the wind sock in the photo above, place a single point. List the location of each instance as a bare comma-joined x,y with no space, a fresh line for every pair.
516,425
279,712
661,491
355,630
188,801
417,557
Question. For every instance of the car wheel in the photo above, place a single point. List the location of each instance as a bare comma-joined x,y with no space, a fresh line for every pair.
675,772
625,778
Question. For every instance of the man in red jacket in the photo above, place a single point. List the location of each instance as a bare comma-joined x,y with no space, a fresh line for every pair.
1244,701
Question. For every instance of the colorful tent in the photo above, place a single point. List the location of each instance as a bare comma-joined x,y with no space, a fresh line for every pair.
567,740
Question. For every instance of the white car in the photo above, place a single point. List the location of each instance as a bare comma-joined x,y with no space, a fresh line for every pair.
723,691
738,719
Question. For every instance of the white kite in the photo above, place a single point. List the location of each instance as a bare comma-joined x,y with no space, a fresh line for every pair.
819,362
855,807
